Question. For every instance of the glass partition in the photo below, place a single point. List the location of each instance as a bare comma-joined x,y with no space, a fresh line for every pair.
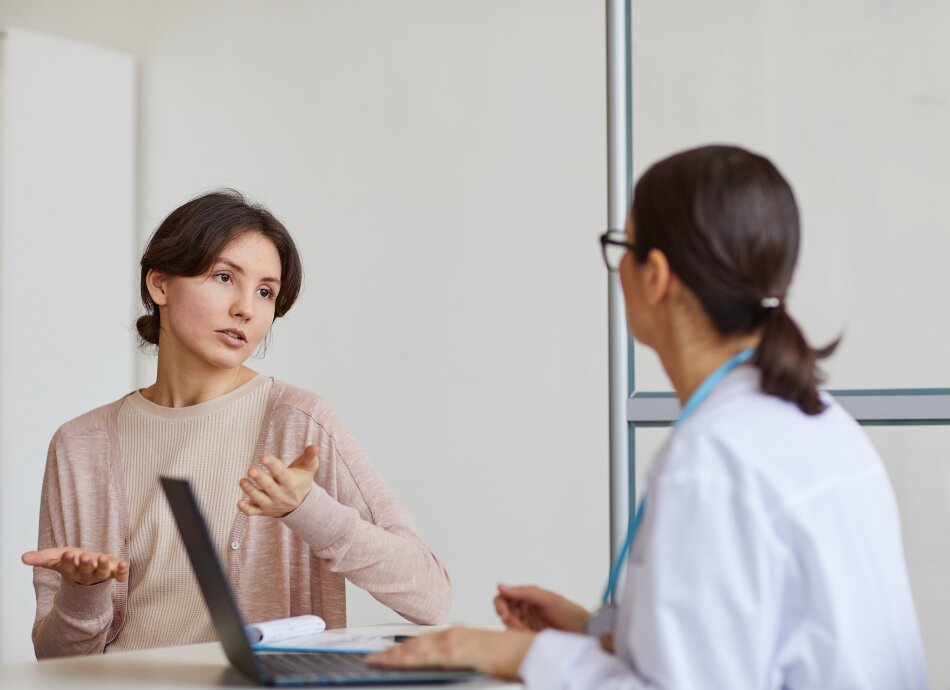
857,121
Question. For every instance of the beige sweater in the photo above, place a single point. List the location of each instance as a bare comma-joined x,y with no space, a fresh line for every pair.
212,444
350,525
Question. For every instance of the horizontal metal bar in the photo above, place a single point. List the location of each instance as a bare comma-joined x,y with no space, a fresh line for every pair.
896,407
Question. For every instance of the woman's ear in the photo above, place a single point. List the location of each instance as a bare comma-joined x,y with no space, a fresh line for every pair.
156,283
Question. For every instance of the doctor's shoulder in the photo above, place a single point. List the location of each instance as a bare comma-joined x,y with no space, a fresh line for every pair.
738,440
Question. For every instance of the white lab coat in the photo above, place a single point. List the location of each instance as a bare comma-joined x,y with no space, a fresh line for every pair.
769,557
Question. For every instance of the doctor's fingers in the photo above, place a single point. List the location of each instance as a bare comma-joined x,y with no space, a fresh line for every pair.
509,616
436,650
543,601
528,593
518,621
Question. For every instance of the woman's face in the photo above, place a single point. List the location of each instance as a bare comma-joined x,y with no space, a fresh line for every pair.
220,318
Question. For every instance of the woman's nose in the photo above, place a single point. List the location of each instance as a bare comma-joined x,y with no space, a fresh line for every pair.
243,306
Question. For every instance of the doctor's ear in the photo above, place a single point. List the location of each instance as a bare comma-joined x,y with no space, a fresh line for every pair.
156,282
659,282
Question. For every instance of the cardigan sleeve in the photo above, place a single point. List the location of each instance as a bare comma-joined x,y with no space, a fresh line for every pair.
71,619
352,520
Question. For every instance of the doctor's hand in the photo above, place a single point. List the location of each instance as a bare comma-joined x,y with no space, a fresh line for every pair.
278,489
532,608
497,653
79,566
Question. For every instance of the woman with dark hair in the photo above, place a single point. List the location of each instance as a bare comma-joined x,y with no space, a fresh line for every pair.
293,504
768,549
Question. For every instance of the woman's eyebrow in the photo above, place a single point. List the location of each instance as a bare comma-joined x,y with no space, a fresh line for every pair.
238,269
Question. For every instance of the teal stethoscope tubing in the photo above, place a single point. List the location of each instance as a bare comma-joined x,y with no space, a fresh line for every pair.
700,394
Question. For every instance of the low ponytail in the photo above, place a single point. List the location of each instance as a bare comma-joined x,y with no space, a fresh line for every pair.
788,364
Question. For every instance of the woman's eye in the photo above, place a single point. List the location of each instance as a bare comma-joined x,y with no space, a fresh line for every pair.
222,277
266,293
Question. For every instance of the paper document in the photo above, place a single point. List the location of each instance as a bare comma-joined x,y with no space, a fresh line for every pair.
272,632
329,642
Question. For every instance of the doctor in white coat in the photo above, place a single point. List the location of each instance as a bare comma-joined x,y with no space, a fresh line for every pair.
767,551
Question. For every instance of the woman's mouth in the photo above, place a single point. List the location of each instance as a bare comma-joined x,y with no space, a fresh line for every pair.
233,337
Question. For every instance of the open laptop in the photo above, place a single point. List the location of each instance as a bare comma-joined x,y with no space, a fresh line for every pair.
272,668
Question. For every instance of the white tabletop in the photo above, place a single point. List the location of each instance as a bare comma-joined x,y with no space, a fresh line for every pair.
182,668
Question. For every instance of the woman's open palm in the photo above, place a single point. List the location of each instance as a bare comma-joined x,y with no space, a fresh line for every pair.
79,566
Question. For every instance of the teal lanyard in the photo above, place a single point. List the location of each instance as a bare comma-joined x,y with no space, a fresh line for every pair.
695,400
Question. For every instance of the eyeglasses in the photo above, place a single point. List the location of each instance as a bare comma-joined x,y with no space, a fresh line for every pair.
614,245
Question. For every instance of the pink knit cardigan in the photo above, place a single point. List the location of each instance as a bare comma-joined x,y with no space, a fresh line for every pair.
351,525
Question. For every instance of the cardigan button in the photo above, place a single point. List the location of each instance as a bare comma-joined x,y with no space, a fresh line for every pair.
235,545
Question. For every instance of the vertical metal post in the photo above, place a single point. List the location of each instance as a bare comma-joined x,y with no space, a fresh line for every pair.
618,191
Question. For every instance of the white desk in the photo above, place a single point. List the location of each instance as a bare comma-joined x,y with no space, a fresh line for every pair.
182,668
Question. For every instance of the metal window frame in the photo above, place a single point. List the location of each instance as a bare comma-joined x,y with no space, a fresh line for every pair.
872,407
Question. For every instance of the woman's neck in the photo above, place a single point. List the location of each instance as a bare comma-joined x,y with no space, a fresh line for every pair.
181,385
690,361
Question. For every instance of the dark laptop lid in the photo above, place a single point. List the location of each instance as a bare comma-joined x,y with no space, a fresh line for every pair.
211,578
230,626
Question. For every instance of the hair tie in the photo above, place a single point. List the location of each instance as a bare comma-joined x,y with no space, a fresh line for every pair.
771,302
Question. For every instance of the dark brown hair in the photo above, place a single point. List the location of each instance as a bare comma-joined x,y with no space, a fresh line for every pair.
192,237
728,224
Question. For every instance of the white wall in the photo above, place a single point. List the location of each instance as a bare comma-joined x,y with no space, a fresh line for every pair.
443,167
66,223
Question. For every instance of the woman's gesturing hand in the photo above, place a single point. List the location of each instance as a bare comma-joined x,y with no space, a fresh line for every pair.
79,566
532,608
497,653
278,489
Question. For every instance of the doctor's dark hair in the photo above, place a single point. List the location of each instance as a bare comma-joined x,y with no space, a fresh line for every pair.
728,224
192,237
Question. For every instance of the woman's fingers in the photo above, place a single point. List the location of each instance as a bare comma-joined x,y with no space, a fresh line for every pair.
308,461
68,562
46,558
248,507
103,568
77,565
86,564
254,493
277,469
262,479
